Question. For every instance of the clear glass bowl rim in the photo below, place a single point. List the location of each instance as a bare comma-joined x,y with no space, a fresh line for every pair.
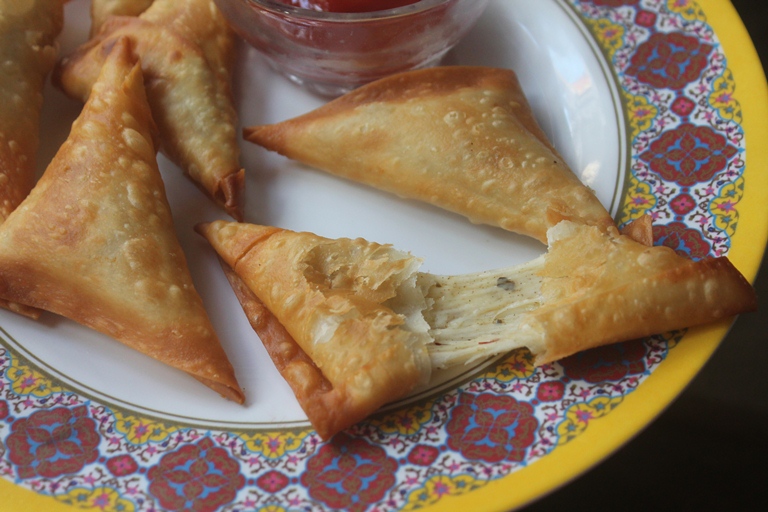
342,17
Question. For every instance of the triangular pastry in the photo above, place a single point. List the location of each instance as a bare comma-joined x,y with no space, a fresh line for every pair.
187,51
462,138
28,50
352,324
94,241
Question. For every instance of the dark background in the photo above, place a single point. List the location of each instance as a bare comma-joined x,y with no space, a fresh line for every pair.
709,450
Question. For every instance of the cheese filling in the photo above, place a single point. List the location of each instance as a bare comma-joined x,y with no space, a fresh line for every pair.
474,316
452,320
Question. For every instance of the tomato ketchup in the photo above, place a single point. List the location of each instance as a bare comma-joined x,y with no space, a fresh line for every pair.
348,5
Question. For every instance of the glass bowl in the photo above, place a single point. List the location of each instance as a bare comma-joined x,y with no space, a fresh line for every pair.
332,53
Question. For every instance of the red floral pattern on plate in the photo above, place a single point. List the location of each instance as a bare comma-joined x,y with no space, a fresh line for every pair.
349,473
607,363
550,391
491,428
670,60
273,481
54,442
689,154
122,465
684,240
423,455
614,3
196,477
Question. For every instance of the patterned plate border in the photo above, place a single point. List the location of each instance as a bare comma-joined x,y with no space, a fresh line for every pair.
687,164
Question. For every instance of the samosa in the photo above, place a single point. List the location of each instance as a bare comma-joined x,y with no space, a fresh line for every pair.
94,241
353,325
463,138
28,51
187,54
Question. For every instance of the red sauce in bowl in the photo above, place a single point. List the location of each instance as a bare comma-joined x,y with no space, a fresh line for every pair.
334,52
348,5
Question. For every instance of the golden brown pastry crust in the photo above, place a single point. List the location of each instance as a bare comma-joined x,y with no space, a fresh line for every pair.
94,241
28,50
187,51
462,138
101,10
600,288
351,354
323,404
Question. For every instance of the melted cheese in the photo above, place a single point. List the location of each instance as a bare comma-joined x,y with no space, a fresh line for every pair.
474,316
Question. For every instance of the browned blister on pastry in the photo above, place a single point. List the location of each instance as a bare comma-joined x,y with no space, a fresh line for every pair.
462,138
95,242
353,351
28,50
186,50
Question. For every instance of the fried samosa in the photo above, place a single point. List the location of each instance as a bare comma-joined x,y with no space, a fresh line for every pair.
462,138
187,51
94,241
28,50
352,325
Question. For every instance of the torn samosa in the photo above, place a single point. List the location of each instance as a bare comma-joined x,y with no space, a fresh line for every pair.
353,325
